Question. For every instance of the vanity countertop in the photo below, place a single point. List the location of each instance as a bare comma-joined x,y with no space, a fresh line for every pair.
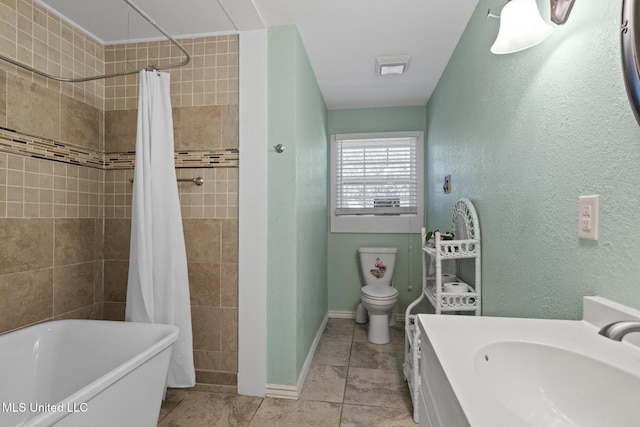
539,372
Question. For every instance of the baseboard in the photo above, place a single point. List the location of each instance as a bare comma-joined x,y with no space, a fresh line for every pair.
279,391
312,352
334,314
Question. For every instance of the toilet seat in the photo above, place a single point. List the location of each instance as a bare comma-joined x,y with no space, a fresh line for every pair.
379,292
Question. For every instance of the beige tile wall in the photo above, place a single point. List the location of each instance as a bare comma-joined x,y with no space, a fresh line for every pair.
205,128
51,213
38,38
43,112
65,228
211,238
36,188
217,198
210,78
205,116
50,268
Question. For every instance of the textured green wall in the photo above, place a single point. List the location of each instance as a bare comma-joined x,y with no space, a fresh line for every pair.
343,265
311,204
297,205
523,136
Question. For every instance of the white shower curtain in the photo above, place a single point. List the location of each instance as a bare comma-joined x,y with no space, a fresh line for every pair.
158,287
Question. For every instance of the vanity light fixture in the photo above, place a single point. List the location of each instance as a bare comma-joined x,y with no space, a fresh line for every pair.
387,65
521,27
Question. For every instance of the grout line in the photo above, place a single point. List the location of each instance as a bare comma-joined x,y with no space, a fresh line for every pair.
256,411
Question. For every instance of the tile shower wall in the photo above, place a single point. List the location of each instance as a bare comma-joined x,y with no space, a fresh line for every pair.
63,226
40,39
50,212
205,113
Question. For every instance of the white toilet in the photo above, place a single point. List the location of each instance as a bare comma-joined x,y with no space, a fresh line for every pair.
378,294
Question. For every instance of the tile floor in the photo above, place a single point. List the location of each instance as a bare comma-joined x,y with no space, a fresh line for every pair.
351,382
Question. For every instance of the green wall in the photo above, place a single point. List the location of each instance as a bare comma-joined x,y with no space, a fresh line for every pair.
297,206
523,135
343,266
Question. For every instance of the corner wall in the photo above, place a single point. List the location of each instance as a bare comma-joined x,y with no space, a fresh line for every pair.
523,135
297,224
344,277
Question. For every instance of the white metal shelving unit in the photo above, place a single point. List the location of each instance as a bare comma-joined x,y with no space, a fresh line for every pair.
466,231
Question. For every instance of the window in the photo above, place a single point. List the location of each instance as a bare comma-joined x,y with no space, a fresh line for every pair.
377,182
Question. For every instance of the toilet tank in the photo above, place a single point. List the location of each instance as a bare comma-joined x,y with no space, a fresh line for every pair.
377,265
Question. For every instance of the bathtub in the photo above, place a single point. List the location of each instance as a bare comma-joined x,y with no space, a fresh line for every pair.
84,373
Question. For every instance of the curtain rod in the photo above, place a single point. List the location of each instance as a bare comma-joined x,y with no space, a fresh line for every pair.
122,73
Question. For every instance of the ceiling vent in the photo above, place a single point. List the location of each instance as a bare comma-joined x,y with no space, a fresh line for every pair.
388,65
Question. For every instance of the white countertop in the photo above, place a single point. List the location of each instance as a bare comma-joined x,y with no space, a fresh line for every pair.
457,341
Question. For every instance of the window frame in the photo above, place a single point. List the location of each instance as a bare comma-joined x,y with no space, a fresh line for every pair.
405,223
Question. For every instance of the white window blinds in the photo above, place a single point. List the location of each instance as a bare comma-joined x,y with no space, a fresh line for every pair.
376,176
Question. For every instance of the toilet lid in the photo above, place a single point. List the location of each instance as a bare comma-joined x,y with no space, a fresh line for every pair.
379,291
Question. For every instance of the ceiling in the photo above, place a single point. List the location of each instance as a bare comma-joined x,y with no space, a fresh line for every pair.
342,37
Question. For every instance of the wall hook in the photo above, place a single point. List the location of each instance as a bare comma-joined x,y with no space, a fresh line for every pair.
279,148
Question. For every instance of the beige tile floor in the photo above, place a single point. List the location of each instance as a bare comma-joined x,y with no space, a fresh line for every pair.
351,382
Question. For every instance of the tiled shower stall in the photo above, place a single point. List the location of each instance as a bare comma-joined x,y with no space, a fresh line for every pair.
66,158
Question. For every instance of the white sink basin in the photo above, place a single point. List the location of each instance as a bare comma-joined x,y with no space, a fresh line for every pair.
546,385
513,372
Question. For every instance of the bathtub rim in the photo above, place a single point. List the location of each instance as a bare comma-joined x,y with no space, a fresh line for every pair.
95,387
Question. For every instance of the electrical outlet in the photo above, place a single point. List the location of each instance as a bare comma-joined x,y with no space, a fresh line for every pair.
588,217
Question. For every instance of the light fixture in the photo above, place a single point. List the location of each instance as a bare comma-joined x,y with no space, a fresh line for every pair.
387,65
521,27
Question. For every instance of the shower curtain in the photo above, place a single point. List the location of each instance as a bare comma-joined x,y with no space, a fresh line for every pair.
158,286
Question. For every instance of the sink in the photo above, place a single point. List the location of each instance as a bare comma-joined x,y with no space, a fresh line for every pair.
550,386
483,371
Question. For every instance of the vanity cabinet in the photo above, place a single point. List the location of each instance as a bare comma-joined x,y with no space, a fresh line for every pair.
435,255
438,405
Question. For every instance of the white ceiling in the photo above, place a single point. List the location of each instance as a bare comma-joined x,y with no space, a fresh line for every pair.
342,37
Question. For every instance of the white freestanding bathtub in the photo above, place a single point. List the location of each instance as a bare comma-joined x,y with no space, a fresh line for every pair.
84,373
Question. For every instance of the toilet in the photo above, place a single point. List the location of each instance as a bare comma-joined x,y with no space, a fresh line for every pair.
378,295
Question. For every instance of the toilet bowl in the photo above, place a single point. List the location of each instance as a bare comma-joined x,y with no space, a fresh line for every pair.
378,295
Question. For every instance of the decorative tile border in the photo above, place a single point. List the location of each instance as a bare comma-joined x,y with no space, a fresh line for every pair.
39,148
198,159
13,142
183,159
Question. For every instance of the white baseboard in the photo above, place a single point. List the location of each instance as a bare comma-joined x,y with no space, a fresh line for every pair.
334,314
279,391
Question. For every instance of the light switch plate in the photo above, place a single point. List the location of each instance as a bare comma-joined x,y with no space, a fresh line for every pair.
588,217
